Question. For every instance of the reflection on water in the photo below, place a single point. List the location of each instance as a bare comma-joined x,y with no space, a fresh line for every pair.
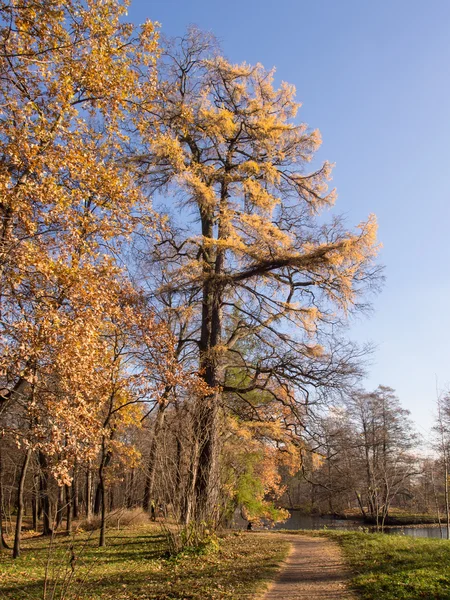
297,520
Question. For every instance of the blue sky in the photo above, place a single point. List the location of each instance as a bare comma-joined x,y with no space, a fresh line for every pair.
374,78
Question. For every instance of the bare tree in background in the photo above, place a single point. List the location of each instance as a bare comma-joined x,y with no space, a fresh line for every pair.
442,431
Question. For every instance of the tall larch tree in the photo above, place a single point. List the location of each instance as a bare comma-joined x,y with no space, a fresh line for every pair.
225,142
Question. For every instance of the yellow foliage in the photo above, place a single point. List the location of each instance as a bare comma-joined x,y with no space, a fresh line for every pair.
66,202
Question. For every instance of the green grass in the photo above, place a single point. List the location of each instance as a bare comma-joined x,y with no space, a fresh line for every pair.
397,567
134,566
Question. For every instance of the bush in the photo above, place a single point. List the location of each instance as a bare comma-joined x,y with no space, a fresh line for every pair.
195,538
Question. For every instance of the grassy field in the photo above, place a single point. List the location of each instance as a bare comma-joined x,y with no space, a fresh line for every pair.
397,567
134,566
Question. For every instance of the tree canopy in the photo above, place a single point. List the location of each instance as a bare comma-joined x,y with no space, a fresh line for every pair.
185,342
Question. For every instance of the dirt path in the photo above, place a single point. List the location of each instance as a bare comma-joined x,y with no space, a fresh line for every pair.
314,570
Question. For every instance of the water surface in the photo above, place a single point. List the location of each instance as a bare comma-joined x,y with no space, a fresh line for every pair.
298,520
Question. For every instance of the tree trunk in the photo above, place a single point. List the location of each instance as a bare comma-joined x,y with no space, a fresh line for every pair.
111,498
43,491
178,486
447,502
60,507
189,495
75,491
104,463
3,544
97,500
361,507
102,541
20,504
436,501
68,508
101,496
330,482
153,455
206,484
89,492
35,502
130,490
206,429
39,502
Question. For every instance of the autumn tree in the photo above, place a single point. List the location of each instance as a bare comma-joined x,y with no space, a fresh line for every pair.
142,374
253,457
69,73
249,248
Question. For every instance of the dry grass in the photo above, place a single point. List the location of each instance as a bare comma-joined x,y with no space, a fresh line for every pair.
117,519
135,566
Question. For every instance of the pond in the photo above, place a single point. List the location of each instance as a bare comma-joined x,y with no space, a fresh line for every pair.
422,531
298,520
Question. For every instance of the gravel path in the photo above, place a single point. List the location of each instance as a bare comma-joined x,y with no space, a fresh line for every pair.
314,570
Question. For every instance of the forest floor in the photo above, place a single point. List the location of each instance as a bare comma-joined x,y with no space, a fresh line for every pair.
135,566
